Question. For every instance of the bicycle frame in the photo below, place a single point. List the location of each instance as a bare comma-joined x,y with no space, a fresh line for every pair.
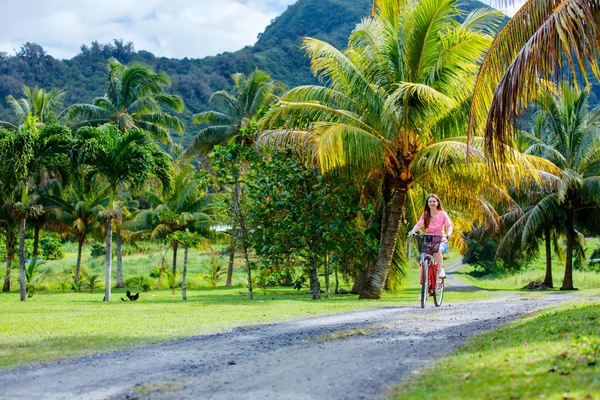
430,284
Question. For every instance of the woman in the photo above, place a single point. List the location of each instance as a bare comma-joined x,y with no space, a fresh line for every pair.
435,219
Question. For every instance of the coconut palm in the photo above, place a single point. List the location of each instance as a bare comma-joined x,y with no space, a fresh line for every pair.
25,155
135,98
570,139
392,98
544,39
9,221
236,109
77,214
128,158
186,208
37,102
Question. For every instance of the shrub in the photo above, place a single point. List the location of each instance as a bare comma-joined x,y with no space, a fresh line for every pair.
139,282
98,250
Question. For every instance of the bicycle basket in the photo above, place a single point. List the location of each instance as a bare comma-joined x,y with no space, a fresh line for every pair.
429,244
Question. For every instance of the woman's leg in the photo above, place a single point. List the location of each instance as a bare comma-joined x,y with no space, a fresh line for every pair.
440,261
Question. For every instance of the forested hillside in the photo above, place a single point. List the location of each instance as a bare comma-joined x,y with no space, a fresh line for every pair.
276,51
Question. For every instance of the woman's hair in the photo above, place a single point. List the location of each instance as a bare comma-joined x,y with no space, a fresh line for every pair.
427,211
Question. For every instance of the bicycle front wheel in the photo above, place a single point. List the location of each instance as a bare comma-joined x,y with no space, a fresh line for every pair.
438,292
424,283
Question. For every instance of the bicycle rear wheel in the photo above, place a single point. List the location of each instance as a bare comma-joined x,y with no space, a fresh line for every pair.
438,291
424,283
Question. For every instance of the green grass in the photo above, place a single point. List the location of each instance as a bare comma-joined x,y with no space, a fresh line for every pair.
52,325
554,354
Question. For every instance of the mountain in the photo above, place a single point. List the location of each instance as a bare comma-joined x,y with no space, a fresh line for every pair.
276,51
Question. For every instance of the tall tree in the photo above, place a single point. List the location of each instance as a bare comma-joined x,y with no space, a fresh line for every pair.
401,86
544,40
26,154
237,111
135,98
570,139
128,158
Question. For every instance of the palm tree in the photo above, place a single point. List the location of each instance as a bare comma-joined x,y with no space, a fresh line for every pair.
26,154
569,139
77,214
401,86
121,158
37,102
134,98
544,39
8,222
238,110
187,208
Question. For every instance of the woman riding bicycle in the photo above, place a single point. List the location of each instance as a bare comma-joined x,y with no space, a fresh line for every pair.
435,219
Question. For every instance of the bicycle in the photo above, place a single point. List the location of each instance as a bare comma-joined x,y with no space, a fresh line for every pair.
431,284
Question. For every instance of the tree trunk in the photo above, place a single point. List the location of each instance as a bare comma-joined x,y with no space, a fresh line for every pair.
360,280
232,245
548,277
78,267
175,247
107,279
36,242
394,196
568,278
337,281
326,270
237,209
184,273
315,287
119,243
10,255
22,279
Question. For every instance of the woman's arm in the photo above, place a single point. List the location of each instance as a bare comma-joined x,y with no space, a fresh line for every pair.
448,224
418,226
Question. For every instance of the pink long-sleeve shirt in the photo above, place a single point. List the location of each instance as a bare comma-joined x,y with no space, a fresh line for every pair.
436,224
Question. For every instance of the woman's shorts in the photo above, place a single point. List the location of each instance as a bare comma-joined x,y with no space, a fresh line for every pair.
444,247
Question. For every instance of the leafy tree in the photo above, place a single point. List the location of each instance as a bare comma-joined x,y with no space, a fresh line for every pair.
235,118
401,87
129,158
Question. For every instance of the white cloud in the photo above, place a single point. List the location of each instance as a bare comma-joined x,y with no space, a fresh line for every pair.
176,28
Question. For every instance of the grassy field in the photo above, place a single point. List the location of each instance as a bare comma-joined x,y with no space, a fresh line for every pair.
553,354
53,325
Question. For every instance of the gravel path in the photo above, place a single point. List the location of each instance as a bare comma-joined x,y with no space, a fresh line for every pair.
279,361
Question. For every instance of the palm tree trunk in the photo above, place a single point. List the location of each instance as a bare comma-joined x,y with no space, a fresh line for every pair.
175,246
337,281
315,287
232,245
119,243
326,270
22,279
239,215
184,273
568,278
10,254
78,267
548,277
107,279
36,242
394,201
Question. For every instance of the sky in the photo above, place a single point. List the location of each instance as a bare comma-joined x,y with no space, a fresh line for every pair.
166,28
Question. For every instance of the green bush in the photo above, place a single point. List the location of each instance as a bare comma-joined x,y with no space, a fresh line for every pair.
139,282
98,250
51,246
